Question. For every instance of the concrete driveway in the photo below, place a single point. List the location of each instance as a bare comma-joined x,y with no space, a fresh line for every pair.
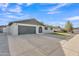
35,45
4,49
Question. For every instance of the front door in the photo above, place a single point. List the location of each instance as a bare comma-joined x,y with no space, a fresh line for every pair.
40,29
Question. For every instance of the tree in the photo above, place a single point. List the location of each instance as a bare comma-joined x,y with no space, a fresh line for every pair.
69,27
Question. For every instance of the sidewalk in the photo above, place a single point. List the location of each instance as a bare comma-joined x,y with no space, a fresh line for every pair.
71,48
4,49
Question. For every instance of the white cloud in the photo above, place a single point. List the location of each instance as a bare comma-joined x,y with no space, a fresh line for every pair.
3,19
73,18
58,6
55,12
11,16
17,9
7,13
20,3
3,6
7,10
54,9
29,4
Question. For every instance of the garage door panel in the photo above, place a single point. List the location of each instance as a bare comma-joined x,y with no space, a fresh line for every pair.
26,30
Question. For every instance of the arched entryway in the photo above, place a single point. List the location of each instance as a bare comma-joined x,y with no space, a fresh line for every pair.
40,29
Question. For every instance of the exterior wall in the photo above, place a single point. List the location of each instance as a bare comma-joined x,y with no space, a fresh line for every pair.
47,31
37,30
12,30
43,30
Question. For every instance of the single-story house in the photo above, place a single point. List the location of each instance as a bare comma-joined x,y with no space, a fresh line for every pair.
28,26
57,29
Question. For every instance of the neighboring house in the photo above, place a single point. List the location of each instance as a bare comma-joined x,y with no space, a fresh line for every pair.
57,29
2,29
76,30
28,26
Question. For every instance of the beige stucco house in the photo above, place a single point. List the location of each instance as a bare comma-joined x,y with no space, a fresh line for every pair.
28,26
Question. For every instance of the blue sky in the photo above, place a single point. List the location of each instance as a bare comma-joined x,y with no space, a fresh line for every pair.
48,13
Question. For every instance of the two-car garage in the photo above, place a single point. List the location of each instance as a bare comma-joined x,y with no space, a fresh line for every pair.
26,30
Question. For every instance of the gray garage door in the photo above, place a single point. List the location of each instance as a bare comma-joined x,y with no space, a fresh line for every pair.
26,30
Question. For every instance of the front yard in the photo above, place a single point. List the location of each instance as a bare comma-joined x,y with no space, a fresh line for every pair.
62,35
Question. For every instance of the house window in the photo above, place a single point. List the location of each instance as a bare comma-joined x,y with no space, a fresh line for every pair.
46,28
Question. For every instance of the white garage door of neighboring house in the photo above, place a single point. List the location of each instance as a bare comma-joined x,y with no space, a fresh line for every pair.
26,30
